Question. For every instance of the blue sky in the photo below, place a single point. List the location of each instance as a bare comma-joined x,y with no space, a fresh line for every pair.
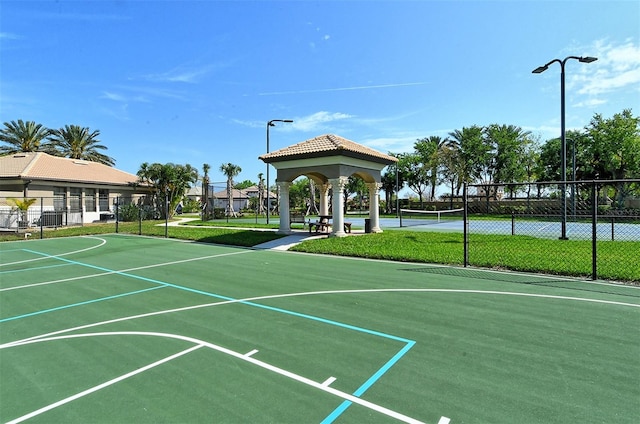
196,81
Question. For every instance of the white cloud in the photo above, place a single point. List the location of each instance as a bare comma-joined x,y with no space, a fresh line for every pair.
617,67
394,144
317,121
9,36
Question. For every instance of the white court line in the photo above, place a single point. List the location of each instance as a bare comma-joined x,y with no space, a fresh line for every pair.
102,274
444,420
285,295
328,381
62,254
198,344
101,386
351,398
253,352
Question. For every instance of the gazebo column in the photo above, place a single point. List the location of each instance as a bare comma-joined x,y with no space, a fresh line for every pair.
337,185
374,209
324,198
283,197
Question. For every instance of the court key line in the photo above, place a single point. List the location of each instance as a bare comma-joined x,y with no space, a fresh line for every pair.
100,386
109,271
62,254
324,386
359,391
257,298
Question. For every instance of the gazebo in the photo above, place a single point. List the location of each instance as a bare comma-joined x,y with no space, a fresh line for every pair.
329,160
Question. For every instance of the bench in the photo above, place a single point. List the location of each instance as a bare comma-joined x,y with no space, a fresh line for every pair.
323,227
297,218
320,227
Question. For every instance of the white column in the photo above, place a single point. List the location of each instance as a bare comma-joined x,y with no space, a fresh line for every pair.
324,198
283,197
337,186
374,213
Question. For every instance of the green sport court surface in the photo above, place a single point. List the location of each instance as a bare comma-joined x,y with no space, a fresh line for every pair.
121,328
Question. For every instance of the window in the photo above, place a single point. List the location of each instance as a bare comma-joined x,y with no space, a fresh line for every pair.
59,198
104,199
75,197
90,199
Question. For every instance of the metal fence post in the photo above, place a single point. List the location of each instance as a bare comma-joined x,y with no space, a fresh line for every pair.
117,212
465,218
594,230
41,218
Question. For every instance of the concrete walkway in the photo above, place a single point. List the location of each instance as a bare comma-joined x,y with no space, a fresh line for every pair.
283,243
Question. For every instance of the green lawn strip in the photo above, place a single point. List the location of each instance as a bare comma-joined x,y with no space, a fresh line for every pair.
519,253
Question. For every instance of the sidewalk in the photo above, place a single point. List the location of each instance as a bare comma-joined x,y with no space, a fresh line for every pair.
283,243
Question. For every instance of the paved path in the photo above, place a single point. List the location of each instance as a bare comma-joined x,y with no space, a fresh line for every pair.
283,243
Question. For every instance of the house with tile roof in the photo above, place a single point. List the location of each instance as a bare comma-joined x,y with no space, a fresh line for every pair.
68,191
329,160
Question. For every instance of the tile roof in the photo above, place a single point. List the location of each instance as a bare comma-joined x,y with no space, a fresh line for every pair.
42,166
327,145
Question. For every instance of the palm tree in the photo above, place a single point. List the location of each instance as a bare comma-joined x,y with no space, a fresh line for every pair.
23,206
169,181
261,209
205,189
76,142
231,171
22,137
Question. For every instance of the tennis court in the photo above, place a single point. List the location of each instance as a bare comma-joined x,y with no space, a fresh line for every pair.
120,328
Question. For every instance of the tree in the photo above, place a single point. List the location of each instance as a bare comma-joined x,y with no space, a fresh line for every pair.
451,166
22,137
312,206
474,155
170,182
230,171
244,184
205,189
416,175
355,185
509,142
261,193
298,193
614,149
390,184
23,205
77,142
428,149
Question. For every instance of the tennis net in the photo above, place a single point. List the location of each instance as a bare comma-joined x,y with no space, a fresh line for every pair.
414,217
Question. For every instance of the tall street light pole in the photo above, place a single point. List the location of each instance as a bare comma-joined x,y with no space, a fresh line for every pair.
563,140
271,124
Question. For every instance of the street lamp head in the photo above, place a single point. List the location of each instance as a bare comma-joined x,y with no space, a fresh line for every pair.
540,69
272,124
587,59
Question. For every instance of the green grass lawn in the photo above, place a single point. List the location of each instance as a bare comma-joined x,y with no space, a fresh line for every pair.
519,253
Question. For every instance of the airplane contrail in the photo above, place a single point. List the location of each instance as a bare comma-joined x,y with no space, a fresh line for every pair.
323,90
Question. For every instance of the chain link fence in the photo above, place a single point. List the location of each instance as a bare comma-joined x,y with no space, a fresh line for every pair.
32,216
586,228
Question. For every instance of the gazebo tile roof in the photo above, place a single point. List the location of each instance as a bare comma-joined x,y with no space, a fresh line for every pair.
326,145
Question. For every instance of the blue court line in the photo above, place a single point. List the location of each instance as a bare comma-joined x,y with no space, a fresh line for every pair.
58,308
370,382
344,405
